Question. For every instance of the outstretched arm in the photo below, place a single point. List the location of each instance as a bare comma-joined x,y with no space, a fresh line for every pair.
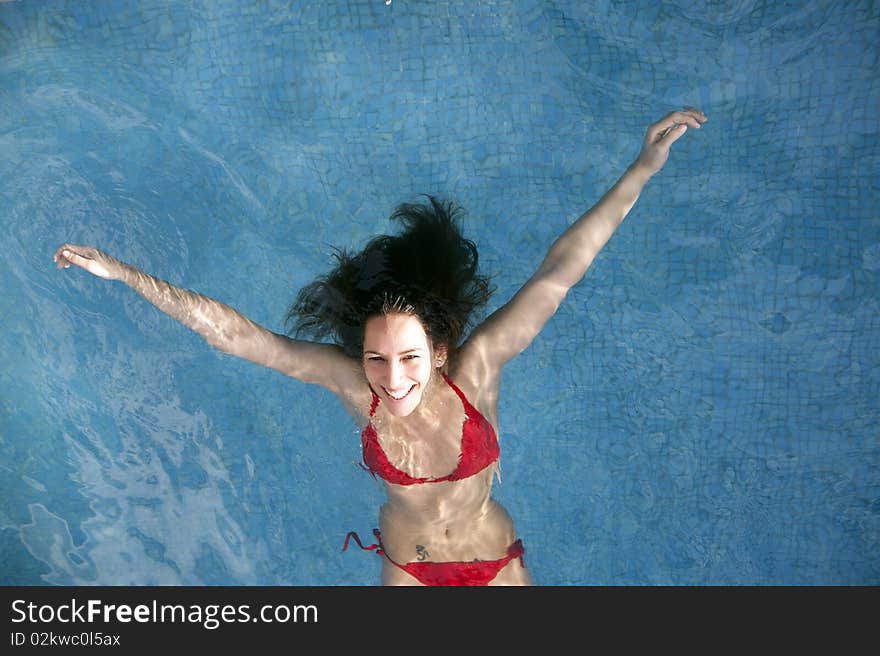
509,330
222,326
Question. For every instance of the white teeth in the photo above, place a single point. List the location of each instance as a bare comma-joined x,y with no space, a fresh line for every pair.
399,398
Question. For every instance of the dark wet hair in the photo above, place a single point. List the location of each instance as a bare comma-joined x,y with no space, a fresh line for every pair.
429,270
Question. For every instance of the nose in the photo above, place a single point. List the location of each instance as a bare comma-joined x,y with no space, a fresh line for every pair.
395,375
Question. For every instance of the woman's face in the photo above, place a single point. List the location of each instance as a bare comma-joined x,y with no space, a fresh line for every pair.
398,361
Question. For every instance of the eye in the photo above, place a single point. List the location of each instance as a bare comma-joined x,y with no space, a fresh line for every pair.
410,357
375,358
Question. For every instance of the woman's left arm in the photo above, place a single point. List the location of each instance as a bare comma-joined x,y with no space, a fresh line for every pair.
509,330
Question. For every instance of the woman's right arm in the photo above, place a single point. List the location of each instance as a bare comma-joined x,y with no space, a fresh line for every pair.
224,327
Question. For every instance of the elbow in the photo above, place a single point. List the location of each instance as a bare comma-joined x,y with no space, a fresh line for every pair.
564,272
558,279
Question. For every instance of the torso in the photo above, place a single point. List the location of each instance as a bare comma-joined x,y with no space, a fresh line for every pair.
439,521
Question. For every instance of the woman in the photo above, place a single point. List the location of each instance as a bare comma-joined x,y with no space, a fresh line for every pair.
427,406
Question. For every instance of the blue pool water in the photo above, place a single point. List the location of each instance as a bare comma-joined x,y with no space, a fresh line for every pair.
701,410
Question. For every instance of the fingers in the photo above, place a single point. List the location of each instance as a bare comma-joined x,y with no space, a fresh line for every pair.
672,122
61,250
691,116
680,118
64,256
694,112
60,259
674,129
88,258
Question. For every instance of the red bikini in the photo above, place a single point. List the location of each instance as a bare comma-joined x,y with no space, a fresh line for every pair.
479,449
477,572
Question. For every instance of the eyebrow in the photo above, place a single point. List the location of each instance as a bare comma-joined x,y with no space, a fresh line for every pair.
401,353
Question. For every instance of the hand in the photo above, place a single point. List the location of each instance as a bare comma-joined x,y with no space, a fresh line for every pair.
662,134
90,259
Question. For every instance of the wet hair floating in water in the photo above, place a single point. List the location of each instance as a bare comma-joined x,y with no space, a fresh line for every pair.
429,271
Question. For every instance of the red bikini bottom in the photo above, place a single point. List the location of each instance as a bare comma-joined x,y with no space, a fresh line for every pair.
477,572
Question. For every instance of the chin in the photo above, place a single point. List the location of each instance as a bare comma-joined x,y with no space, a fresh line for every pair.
403,412
405,409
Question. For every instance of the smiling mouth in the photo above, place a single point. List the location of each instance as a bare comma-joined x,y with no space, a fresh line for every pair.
399,398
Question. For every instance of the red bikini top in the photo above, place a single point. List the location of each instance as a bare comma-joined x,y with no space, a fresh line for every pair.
479,448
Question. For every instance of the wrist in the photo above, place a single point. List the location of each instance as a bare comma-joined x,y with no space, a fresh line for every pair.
640,171
126,274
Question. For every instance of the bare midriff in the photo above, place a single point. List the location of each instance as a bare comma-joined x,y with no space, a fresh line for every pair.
447,521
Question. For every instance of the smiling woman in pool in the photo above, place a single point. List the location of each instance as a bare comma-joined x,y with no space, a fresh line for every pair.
426,401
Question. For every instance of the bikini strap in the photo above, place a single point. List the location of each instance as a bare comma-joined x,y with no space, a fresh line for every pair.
365,434
368,470
378,548
375,402
516,550
467,405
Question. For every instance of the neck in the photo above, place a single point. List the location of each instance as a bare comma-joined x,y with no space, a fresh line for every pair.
429,409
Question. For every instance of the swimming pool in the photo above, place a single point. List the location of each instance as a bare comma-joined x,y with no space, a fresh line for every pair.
701,410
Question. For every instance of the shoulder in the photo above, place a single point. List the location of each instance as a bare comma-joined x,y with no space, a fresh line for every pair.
355,393
476,377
